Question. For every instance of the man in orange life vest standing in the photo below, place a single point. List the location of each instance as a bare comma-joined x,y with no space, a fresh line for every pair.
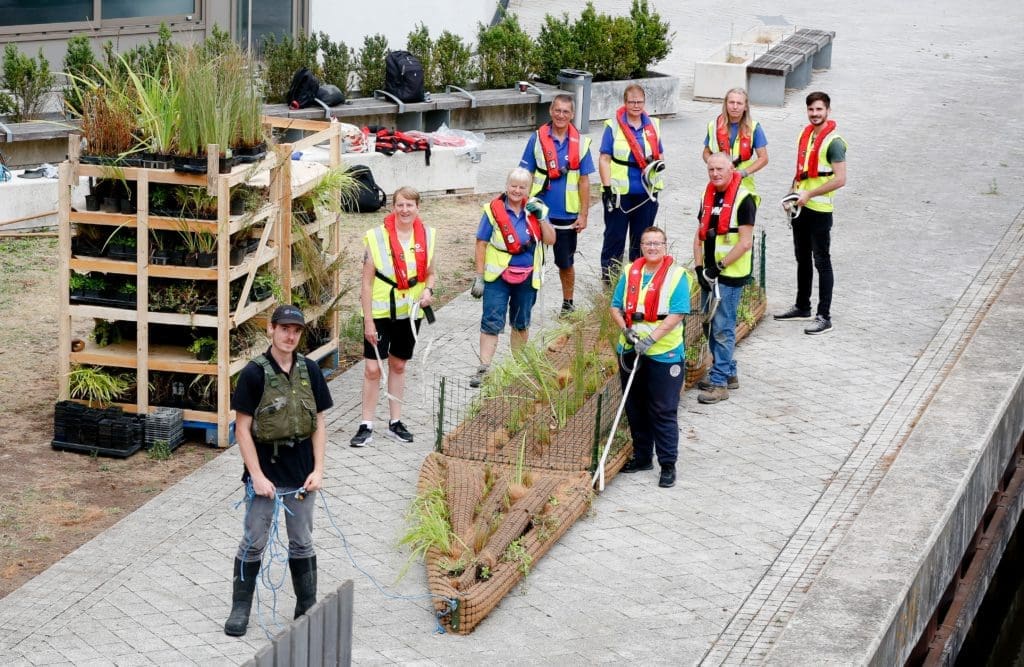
722,253
559,159
631,177
820,171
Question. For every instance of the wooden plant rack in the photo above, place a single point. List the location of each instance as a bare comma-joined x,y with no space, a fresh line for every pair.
285,181
475,463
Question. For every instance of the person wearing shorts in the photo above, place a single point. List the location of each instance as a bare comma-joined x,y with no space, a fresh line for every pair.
397,284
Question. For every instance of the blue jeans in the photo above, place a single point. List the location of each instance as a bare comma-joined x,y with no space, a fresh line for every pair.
652,408
722,342
618,222
500,299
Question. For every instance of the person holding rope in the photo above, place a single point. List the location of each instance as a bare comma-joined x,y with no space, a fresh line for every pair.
736,133
649,303
630,167
398,274
820,171
509,260
723,261
560,161
279,404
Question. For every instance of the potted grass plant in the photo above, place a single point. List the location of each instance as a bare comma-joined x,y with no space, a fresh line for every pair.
158,103
96,386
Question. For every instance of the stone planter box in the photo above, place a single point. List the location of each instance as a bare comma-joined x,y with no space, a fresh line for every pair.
724,69
662,96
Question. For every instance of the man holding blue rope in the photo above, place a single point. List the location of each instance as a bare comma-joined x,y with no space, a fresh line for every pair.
279,405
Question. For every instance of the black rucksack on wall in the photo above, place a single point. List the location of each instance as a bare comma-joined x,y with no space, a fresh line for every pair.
303,89
369,196
404,76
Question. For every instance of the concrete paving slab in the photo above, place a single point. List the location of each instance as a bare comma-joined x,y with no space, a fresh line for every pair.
771,482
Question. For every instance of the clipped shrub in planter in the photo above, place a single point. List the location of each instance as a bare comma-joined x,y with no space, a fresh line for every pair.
505,52
453,61
371,66
29,80
78,62
338,62
282,57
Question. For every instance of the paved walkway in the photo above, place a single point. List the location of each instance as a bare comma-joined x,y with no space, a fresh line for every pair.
927,232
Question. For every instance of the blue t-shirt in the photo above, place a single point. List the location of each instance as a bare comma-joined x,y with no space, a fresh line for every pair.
760,141
678,304
636,186
525,258
554,194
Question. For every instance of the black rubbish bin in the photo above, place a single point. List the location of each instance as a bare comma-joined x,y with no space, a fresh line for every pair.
577,83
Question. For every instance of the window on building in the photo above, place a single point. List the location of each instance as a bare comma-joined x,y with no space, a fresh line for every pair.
43,12
269,17
129,9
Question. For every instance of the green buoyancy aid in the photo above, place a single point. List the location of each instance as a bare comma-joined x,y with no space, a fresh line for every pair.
287,411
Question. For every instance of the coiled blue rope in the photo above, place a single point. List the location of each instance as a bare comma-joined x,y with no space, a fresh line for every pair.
276,551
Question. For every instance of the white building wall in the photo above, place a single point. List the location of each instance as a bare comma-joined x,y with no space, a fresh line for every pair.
395,19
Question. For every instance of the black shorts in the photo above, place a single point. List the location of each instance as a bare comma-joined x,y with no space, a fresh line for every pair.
565,244
395,338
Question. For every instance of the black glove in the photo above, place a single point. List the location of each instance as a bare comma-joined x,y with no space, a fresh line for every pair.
607,198
712,272
701,279
644,344
631,336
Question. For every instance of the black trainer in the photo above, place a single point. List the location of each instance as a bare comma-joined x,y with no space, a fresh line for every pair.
568,308
398,431
793,313
477,378
635,466
668,476
820,326
363,437
733,382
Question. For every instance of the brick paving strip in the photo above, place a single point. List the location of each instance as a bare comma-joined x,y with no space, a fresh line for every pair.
765,612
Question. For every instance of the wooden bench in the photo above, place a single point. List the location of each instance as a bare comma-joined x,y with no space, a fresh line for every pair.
788,64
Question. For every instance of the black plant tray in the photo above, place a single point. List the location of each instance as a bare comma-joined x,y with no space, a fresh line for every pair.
103,301
93,449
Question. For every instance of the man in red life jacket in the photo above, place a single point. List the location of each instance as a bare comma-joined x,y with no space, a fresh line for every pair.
722,253
560,161
820,171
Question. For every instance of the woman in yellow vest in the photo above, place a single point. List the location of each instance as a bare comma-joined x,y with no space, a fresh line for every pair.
739,135
650,300
509,259
398,278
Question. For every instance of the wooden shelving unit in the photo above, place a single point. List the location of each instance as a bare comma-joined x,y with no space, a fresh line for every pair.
285,181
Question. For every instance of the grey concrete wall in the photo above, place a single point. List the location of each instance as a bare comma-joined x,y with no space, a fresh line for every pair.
948,469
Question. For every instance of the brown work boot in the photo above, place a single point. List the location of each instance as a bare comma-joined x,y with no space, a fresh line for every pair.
713,394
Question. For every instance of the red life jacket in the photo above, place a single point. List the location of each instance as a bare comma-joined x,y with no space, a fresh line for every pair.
419,239
801,152
725,214
390,140
634,146
722,132
547,146
633,284
513,243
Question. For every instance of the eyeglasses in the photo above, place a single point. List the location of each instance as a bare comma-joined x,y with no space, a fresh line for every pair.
653,244
635,101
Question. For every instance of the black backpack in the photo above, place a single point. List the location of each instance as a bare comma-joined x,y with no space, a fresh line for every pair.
369,197
404,76
303,89
330,95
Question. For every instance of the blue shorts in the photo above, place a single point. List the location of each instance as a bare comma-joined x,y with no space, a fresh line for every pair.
501,298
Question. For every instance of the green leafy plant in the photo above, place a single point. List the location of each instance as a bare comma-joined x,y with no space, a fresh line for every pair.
429,526
105,332
203,343
29,80
651,36
281,58
506,53
79,61
160,450
77,281
453,61
516,553
338,62
206,242
557,47
419,43
371,66
158,101
96,386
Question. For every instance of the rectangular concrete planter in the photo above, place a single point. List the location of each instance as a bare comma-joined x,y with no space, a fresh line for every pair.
662,95
724,69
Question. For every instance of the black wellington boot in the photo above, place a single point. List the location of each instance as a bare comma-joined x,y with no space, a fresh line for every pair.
243,585
304,582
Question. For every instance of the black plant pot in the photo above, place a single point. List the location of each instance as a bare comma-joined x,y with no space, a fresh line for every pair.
177,257
205,352
190,164
237,206
206,259
92,202
238,255
161,257
111,205
249,154
126,206
191,259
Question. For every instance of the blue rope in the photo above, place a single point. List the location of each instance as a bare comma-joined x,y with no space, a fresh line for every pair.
277,552
451,602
